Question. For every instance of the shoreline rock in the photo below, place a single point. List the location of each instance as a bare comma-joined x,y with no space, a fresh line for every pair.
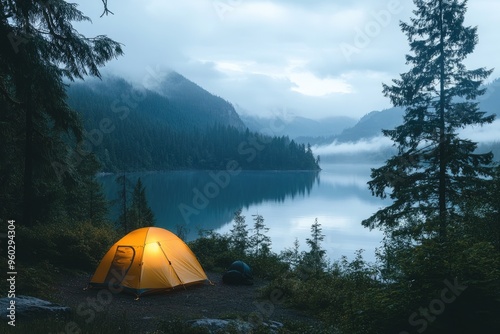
236,325
31,307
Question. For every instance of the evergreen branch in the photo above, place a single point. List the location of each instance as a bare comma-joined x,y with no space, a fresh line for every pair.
106,10
5,92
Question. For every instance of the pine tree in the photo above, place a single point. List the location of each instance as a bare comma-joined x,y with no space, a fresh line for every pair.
259,241
85,200
140,214
123,199
38,48
433,166
493,216
239,233
292,256
181,230
315,258
482,220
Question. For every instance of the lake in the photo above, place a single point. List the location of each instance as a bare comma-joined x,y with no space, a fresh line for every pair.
289,202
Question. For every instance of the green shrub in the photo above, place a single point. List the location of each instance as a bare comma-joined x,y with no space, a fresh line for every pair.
102,324
69,245
213,251
179,326
216,252
267,266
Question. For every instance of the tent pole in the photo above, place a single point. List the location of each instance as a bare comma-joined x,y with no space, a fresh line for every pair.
170,263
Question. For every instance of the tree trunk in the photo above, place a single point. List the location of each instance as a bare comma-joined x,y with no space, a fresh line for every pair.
124,197
442,134
28,160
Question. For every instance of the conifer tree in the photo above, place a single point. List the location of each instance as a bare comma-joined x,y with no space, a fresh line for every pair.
315,258
84,197
123,199
259,241
39,47
139,213
482,219
433,166
181,230
239,233
292,256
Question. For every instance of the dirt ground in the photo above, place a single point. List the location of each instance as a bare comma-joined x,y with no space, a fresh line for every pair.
206,300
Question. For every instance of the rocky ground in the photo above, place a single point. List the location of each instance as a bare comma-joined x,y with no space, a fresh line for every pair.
216,301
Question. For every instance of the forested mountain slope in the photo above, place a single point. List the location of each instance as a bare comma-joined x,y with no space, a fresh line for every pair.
131,129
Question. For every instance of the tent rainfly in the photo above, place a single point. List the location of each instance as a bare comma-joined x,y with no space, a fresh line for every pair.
149,259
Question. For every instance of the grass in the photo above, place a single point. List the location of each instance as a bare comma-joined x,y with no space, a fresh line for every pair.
102,324
105,324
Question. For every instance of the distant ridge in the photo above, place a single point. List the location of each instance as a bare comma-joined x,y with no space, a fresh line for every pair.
371,125
297,126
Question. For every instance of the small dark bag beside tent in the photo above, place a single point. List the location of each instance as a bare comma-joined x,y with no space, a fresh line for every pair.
238,273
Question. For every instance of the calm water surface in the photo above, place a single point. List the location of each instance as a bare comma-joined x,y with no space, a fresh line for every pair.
289,201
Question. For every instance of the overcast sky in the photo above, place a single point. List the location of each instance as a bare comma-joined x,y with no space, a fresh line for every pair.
314,58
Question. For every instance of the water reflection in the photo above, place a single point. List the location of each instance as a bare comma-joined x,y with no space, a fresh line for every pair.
198,200
289,201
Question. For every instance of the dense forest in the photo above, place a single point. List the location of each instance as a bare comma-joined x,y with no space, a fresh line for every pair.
190,129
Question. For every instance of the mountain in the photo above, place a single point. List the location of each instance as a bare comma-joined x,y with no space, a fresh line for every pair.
178,125
296,127
490,101
177,101
209,109
371,125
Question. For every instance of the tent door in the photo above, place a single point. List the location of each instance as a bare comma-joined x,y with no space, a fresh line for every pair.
124,257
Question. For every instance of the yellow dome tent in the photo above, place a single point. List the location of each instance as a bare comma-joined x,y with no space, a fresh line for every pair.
149,259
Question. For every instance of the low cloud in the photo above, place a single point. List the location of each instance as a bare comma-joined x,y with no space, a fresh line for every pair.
363,146
321,58
488,133
485,134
